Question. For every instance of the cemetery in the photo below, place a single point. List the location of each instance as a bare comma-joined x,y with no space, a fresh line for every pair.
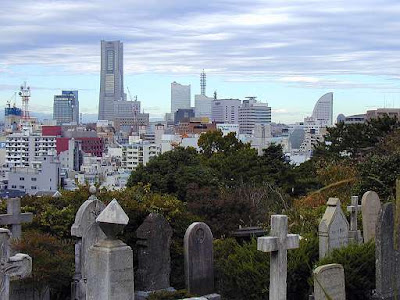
332,241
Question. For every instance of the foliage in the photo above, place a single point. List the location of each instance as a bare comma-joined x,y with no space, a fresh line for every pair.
52,261
166,295
358,262
214,142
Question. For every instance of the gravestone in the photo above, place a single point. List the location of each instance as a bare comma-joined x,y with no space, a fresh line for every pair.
329,281
199,259
354,234
153,254
110,261
370,208
14,217
88,232
11,267
387,255
278,244
333,230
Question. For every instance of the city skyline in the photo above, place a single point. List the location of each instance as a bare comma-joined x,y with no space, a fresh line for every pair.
286,54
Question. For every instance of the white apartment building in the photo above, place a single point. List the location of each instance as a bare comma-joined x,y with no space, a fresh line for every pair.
21,149
180,97
251,113
225,111
138,153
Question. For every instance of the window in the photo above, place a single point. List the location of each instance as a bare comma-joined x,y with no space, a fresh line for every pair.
21,178
33,187
13,186
21,187
33,179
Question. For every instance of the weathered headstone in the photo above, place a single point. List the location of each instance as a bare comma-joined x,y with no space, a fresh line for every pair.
370,208
354,234
153,254
278,244
11,268
14,217
333,230
88,232
329,283
110,261
387,255
199,259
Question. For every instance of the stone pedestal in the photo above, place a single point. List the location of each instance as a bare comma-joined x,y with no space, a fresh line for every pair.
110,271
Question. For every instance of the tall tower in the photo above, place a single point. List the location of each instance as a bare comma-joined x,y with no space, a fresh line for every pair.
25,93
111,78
180,96
203,83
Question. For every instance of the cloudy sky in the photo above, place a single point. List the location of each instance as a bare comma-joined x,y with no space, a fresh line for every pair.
287,53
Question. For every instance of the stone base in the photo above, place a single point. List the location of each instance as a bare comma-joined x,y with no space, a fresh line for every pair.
110,271
142,295
206,297
24,291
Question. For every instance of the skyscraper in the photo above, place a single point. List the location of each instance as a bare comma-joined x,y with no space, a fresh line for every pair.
323,110
66,107
252,113
111,78
180,97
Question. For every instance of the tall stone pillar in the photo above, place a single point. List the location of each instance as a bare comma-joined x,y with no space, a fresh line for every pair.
110,261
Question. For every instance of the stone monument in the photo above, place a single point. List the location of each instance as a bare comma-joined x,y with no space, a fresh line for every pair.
329,283
354,234
153,254
278,244
370,208
11,268
88,232
199,259
14,217
333,230
110,261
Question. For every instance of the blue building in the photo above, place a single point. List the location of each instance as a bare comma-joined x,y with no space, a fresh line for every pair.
66,107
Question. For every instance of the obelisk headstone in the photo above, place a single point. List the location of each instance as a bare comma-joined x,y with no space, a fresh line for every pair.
370,208
329,283
88,232
278,244
333,230
110,261
199,259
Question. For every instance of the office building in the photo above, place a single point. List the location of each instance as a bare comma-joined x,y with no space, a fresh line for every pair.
202,106
111,78
183,115
323,111
66,107
225,111
180,97
138,153
251,113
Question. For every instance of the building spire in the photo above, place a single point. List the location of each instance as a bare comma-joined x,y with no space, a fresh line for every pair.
203,83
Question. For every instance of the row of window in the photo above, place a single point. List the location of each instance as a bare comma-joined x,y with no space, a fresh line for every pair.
23,178
23,187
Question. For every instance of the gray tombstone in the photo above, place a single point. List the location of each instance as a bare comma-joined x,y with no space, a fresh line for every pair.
11,268
199,259
370,208
154,260
329,282
354,234
88,233
14,217
386,255
110,261
333,230
278,244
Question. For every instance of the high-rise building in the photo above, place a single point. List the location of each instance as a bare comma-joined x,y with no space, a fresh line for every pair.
252,113
66,107
111,78
202,106
323,110
225,111
180,96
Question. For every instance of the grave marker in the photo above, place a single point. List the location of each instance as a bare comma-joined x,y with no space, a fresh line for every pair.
370,208
278,244
14,217
354,234
329,281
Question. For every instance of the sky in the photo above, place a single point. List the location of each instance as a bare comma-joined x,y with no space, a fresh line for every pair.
286,53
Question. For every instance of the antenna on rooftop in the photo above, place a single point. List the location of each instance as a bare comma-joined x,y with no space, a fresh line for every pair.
203,83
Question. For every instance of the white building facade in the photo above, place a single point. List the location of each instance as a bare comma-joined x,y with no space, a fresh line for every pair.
180,96
251,113
225,111
138,153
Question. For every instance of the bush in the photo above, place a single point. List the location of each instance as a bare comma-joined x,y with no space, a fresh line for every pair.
358,262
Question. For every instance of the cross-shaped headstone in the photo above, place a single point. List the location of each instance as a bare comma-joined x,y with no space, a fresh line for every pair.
354,208
14,217
11,268
278,244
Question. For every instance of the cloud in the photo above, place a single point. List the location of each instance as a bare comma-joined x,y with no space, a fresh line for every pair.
295,42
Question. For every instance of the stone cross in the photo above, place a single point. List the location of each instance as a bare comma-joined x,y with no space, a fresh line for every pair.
329,282
14,217
278,244
371,206
11,268
354,208
88,233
